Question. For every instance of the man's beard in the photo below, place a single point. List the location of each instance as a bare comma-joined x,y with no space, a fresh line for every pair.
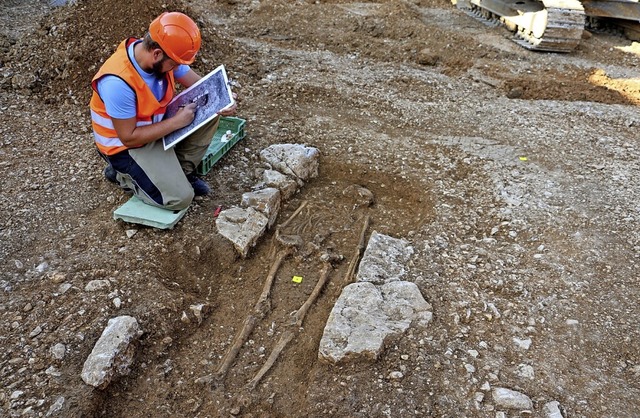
157,69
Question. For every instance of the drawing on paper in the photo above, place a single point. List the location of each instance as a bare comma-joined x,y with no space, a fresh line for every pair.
211,94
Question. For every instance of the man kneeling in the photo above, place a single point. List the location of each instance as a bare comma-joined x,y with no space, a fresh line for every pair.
130,94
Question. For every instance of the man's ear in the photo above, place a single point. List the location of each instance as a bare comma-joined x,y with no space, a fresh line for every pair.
157,54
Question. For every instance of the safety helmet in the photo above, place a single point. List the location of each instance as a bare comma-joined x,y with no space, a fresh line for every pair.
177,35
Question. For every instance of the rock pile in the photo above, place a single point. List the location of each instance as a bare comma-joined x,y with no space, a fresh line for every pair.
289,166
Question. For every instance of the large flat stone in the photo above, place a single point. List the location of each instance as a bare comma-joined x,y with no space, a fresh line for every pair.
294,160
384,260
366,316
242,226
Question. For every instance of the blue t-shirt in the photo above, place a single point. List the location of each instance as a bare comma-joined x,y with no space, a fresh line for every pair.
120,100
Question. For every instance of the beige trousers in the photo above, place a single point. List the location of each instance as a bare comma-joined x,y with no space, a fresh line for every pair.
158,177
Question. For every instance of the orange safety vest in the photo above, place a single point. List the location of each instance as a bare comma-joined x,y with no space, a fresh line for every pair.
148,109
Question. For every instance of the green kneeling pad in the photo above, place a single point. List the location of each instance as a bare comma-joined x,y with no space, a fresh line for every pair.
137,212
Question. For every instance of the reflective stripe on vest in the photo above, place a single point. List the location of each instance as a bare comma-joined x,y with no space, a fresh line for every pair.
148,109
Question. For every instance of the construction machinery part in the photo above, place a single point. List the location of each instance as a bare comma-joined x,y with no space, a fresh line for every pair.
551,25
556,25
626,10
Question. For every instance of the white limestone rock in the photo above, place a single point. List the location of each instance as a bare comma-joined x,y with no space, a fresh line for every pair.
95,285
366,316
294,160
552,410
511,399
525,371
274,178
113,353
384,260
524,344
242,226
266,201
58,351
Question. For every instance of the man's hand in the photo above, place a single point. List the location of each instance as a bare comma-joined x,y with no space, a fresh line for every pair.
185,115
133,136
230,111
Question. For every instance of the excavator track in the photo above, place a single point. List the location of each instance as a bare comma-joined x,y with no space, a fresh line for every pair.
551,25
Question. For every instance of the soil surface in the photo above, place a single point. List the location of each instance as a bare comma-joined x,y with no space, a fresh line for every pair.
513,174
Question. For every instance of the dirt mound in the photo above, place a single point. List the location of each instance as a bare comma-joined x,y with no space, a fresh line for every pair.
57,62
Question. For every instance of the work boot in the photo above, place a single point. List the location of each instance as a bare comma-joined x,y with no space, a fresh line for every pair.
200,187
110,174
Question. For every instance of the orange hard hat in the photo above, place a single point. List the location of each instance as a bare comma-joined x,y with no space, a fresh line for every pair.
177,35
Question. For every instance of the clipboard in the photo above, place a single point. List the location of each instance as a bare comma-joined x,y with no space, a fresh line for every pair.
212,93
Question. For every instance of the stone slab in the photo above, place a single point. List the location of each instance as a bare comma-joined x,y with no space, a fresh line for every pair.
366,316
266,201
274,178
384,259
294,160
242,226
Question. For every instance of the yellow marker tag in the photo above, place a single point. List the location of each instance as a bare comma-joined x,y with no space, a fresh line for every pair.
297,279
524,159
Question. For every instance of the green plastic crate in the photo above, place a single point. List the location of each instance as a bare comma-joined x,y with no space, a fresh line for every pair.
218,148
